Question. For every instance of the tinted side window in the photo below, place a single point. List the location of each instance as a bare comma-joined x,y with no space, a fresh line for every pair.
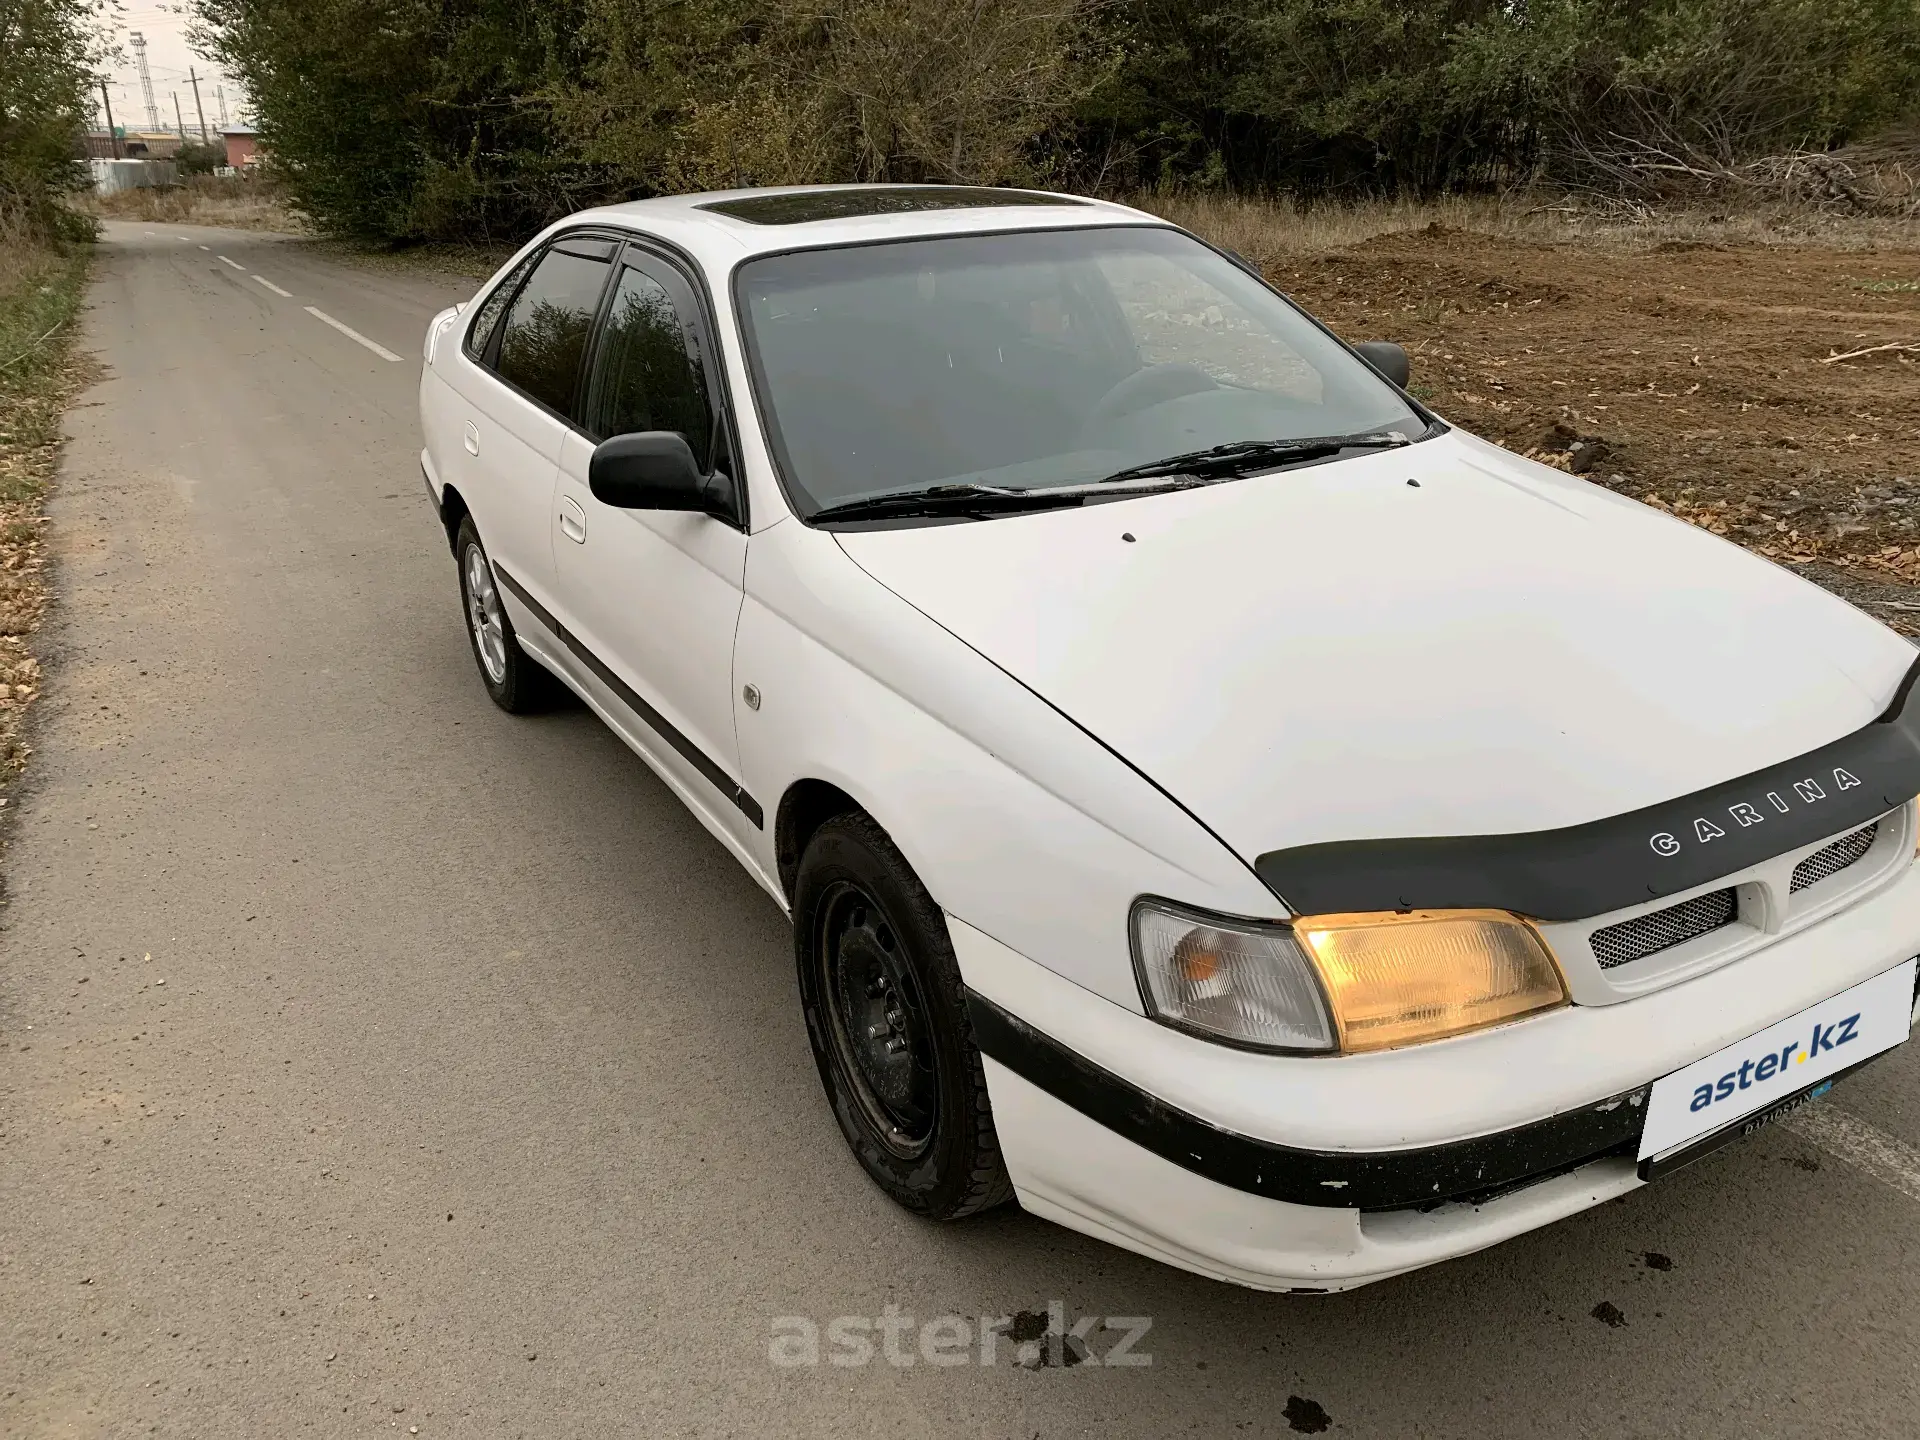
647,371
545,332
487,314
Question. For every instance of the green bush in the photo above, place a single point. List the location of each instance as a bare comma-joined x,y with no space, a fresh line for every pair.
1424,95
197,157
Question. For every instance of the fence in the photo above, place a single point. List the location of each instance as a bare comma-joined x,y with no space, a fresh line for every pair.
112,176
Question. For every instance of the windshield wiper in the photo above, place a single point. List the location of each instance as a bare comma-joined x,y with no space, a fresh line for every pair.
1176,472
1241,457
975,499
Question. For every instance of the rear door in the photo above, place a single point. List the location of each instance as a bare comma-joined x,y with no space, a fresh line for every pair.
456,392
653,597
522,391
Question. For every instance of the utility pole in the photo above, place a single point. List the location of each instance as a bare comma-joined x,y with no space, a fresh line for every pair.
106,103
178,123
139,43
198,109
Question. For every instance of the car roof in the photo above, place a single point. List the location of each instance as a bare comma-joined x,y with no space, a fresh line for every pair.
714,226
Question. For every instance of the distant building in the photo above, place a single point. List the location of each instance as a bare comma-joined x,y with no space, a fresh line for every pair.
153,144
243,146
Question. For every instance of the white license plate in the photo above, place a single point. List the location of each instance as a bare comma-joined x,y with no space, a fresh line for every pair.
1780,1061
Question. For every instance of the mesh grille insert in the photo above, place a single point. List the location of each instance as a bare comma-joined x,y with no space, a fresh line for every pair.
1832,859
1632,940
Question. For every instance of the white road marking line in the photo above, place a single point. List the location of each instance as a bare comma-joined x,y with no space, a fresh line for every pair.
283,294
206,247
235,263
353,334
1861,1145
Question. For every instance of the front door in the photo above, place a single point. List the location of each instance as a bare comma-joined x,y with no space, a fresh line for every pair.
653,597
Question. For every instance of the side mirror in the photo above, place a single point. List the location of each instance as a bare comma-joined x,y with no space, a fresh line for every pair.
1388,358
650,470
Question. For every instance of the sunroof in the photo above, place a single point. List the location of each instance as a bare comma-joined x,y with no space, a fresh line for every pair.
799,207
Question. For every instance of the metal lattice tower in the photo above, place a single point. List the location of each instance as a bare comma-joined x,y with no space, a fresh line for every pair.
221,92
139,43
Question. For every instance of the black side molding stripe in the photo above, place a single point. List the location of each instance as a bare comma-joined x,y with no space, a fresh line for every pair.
1628,859
1385,1180
655,721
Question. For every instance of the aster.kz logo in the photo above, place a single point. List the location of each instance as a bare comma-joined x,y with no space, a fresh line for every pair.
1754,1072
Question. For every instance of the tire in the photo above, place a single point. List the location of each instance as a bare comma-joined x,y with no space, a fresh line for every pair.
886,1014
515,681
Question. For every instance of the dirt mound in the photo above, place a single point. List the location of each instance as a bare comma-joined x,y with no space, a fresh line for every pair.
1738,386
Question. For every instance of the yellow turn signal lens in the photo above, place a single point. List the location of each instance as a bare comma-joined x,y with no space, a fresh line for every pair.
1397,979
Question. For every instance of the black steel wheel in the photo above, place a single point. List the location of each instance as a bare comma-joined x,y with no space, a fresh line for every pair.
886,1013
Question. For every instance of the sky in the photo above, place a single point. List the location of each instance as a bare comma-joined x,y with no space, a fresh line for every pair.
168,59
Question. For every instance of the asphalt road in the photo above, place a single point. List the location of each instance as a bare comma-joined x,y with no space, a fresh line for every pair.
372,1060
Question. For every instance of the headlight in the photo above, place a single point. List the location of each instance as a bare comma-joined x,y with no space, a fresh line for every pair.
1233,980
1341,982
1397,979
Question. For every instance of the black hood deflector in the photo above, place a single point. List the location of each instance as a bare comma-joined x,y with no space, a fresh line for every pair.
1604,865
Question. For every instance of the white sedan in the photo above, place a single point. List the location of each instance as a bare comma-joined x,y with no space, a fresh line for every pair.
1219,803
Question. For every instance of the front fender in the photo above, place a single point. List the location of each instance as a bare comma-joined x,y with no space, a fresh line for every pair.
1017,821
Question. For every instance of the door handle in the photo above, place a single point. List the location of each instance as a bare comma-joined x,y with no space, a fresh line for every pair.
573,521
472,439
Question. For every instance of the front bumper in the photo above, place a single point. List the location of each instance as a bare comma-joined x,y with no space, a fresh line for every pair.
1326,1173
1470,1170
1077,1173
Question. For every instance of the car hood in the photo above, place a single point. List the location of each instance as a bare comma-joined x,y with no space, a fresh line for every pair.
1438,640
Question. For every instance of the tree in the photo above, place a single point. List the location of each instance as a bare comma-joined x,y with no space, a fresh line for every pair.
47,53
397,120
729,92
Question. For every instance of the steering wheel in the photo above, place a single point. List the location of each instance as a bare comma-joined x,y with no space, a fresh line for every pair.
1152,386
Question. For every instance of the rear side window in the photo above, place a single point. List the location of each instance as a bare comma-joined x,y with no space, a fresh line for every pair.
487,314
544,334
646,372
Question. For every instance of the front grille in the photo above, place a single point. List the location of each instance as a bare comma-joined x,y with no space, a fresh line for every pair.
1632,940
1832,859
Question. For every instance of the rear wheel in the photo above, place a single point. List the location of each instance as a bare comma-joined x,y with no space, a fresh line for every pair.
516,681
886,1014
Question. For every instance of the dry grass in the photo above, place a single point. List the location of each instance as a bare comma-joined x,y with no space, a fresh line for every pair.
1272,231
475,262
40,291
230,202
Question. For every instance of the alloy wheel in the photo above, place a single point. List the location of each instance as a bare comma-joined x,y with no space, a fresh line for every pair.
485,616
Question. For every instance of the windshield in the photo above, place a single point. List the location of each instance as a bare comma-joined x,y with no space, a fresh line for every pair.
1033,360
